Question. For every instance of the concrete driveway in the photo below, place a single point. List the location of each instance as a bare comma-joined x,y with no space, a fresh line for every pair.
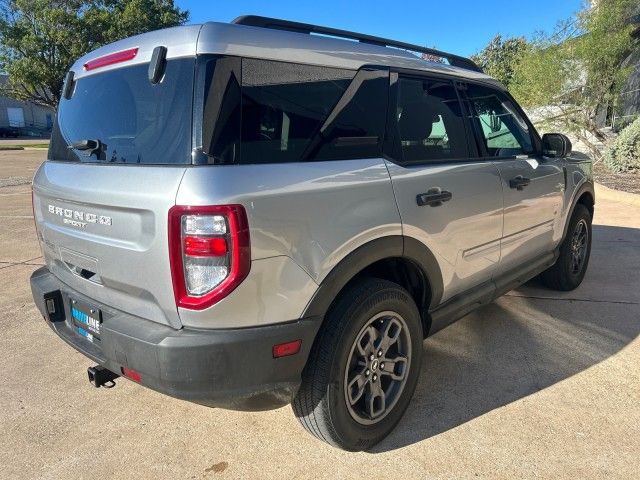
535,385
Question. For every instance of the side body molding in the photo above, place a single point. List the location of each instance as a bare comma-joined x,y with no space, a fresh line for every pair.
393,246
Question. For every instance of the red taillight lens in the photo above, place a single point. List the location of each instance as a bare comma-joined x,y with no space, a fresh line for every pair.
286,349
205,247
131,374
209,252
110,59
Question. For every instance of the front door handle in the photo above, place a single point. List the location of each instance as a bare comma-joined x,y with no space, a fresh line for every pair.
519,182
434,197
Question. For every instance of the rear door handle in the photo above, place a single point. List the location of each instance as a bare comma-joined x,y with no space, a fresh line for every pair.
519,182
434,197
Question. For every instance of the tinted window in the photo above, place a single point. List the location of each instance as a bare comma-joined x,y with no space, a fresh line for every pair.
283,106
134,120
260,111
221,122
505,133
430,121
355,127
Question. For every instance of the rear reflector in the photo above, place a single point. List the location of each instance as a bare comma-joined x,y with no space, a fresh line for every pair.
110,59
131,374
286,349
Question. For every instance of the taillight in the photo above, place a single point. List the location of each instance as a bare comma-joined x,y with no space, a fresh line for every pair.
209,251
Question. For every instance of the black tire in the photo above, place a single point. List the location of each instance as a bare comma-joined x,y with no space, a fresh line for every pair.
321,404
565,275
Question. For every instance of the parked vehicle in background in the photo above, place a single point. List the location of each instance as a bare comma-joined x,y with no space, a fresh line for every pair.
248,215
9,132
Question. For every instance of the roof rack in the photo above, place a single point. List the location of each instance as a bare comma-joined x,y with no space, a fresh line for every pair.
277,24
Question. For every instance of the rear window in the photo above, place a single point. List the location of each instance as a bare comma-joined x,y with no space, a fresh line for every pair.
133,120
259,111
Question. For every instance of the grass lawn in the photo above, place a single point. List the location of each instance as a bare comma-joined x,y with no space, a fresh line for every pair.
23,146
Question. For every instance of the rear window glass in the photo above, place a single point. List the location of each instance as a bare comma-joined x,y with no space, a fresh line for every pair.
133,120
259,111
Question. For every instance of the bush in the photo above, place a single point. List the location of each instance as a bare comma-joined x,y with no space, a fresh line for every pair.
624,154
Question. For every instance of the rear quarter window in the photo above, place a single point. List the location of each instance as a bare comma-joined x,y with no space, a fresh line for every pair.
259,111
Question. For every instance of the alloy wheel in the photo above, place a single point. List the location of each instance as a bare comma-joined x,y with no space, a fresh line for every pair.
378,367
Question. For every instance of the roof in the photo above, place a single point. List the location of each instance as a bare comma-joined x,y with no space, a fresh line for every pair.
275,44
270,44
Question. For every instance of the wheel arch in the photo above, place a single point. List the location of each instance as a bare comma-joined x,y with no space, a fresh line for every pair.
585,195
402,260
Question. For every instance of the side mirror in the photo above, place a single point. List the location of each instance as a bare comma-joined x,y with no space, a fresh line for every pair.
556,145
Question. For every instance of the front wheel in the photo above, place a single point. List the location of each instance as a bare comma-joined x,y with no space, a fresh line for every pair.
363,367
571,266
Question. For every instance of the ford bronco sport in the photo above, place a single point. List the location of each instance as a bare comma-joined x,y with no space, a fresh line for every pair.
253,214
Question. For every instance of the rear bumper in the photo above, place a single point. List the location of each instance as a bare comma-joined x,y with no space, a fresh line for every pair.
229,368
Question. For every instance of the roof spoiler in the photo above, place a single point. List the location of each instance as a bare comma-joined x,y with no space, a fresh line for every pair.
277,24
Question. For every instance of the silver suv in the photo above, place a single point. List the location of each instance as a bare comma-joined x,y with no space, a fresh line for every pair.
266,212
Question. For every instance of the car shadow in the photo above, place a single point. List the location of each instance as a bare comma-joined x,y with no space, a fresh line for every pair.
525,341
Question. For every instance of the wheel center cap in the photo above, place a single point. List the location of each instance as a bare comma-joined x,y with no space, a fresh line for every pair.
374,365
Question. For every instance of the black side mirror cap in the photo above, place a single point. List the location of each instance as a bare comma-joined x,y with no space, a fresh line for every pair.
556,145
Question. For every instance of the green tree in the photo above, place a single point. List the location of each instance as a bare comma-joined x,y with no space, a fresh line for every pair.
570,77
40,39
500,57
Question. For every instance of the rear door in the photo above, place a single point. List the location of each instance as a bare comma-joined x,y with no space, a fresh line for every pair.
449,199
533,185
119,149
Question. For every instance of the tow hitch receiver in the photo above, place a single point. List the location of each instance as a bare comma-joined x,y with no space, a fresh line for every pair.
101,377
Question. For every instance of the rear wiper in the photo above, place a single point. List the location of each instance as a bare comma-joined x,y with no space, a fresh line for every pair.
91,146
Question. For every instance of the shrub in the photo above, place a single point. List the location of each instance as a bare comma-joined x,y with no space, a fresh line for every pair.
624,153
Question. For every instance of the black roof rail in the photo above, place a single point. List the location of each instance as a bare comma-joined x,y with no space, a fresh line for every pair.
277,24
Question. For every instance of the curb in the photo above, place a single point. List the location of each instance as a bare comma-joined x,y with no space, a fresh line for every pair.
610,194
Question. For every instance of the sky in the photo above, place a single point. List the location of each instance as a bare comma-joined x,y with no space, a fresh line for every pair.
457,26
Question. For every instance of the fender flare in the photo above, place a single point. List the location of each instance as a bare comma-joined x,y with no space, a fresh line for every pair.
586,187
393,246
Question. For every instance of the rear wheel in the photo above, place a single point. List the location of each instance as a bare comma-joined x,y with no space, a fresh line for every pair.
363,368
570,267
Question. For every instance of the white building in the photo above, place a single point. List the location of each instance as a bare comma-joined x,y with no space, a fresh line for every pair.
30,118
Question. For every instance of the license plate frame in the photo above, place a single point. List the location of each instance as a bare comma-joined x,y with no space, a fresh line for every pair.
86,320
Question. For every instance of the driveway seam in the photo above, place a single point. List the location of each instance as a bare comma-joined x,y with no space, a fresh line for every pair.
26,262
618,302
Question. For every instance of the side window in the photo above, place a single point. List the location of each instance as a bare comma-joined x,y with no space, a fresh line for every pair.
283,106
504,131
259,111
221,112
355,127
430,121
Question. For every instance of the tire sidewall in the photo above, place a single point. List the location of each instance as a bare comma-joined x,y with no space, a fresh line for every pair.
580,213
